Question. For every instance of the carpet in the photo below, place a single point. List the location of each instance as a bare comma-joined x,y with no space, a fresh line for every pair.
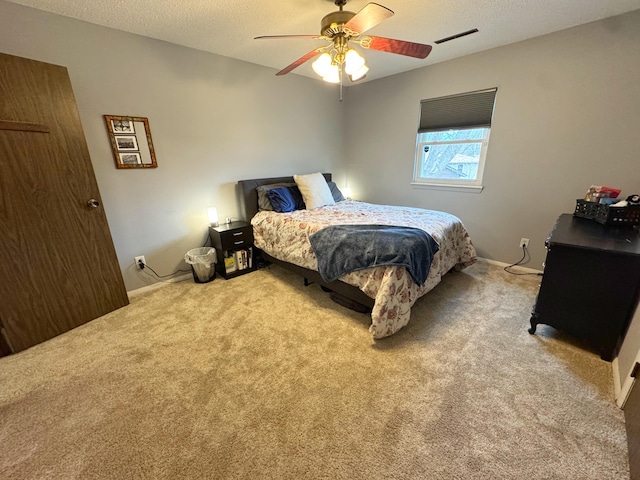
261,377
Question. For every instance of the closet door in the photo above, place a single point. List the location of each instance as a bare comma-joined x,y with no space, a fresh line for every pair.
58,266
632,423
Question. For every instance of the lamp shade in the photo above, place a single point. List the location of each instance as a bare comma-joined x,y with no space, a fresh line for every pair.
333,76
360,73
322,65
212,215
352,62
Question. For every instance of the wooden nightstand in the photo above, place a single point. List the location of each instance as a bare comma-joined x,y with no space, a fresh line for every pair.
234,248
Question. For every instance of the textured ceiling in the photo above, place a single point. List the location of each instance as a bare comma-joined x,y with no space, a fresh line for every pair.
227,27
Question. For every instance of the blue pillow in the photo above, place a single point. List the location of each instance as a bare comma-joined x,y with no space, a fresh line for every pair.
335,192
286,199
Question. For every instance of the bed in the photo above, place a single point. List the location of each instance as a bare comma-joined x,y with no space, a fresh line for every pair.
388,291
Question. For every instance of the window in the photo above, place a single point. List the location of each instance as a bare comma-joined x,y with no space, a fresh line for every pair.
452,140
452,156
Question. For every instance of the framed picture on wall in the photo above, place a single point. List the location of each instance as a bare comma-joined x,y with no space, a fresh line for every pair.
132,158
122,126
127,143
131,142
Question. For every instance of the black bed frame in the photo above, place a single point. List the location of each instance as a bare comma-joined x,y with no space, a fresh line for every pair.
342,293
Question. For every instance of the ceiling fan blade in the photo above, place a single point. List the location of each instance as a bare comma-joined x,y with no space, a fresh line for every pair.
401,47
298,62
268,37
370,16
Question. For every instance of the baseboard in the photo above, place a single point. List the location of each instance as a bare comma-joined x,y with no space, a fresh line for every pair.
148,288
517,268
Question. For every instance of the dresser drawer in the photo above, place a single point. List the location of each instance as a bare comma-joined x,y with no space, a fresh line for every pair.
236,238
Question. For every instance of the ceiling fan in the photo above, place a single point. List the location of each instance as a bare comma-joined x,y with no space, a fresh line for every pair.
343,28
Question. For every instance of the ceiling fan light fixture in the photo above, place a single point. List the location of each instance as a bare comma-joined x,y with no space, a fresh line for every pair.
322,65
360,74
352,62
333,76
342,28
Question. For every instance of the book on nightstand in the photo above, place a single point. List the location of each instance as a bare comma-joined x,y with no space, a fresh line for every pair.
229,263
244,262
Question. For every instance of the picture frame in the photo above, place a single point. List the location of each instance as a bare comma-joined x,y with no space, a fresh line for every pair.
122,126
130,158
131,142
127,143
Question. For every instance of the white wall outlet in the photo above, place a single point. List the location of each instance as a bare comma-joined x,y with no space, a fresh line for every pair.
524,242
137,261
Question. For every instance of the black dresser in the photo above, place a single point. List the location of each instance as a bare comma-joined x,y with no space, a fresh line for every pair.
591,282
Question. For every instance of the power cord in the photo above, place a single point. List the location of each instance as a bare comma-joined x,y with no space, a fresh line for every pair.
525,254
143,265
206,240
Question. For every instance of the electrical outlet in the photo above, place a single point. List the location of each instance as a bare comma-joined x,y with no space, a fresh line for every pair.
524,242
137,261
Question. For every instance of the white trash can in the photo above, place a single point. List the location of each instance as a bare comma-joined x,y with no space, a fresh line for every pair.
203,263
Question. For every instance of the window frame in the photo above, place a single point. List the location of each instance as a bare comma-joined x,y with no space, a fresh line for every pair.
463,111
473,185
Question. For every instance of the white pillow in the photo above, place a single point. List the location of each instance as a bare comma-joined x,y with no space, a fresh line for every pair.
315,191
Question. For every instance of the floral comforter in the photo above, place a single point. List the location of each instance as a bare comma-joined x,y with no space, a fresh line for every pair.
285,236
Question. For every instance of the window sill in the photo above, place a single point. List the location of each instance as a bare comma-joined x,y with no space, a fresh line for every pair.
449,188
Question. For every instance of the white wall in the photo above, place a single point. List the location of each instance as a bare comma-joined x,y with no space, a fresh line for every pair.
214,120
567,116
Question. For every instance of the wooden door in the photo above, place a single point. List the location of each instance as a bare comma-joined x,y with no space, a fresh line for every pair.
58,267
632,422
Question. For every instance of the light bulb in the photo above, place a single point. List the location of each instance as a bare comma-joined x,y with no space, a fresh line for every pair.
352,62
322,65
333,76
360,73
212,215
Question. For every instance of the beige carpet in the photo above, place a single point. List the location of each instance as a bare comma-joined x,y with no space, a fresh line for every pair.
259,377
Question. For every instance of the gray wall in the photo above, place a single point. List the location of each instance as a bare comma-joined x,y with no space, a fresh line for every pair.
567,116
214,120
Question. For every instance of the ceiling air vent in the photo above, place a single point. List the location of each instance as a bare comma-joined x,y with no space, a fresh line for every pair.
458,35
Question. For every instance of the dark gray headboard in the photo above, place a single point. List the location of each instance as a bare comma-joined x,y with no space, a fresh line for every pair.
250,196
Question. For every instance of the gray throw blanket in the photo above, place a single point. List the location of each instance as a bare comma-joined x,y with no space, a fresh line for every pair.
341,249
